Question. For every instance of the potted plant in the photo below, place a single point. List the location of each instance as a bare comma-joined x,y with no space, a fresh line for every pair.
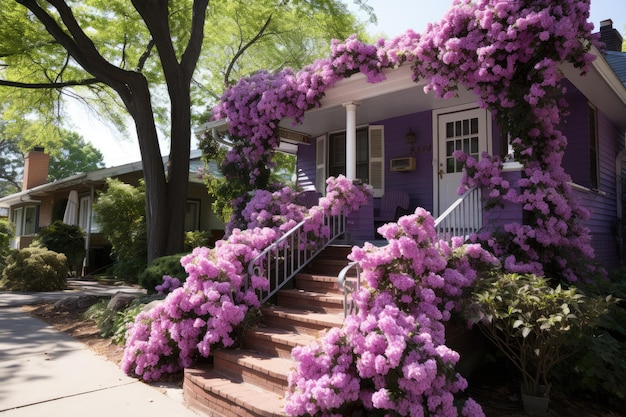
530,322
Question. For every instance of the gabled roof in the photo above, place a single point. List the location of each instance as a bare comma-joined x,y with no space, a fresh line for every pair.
97,176
617,61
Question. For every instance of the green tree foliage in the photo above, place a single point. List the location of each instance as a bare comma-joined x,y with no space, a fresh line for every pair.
34,269
66,239
11,166
140,58
73,156
121,213
6,234
69,155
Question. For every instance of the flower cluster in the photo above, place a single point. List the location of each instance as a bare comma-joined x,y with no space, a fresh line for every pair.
390,356
218,293
169,284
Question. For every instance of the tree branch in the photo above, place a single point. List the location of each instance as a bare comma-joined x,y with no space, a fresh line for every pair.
243,49
50,85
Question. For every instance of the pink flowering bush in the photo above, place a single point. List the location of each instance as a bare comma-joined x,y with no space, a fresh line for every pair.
218,295
390,358
508,53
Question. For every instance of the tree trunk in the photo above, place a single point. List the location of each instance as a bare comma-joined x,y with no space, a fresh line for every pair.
165,197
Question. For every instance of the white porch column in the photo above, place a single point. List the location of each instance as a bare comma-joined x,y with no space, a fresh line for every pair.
351,139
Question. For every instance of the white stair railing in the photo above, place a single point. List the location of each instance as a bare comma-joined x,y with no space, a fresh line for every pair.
349,284
462,218
283,259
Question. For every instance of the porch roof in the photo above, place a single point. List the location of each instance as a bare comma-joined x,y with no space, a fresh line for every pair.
88,178
399,95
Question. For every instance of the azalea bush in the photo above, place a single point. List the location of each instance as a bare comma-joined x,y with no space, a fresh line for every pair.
390,357
212,305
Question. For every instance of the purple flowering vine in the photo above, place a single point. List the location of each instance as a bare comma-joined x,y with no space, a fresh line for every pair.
508,53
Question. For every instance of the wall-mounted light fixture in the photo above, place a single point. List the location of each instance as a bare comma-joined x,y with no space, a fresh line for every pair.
410,139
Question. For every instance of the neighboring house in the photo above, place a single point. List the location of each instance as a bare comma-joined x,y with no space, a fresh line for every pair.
395,137
70,199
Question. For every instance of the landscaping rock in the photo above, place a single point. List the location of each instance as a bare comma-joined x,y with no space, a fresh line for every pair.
120,301
151,305
75,303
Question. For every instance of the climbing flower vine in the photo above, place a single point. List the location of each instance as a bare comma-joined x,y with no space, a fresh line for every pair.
506,52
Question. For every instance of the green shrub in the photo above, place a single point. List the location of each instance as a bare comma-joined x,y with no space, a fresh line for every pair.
166,265
121,213
535,325
66,239
600,365
6,233
35,269
196,239
114,324
123,319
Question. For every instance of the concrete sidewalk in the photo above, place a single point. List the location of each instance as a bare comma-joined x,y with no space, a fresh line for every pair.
75,289
44,372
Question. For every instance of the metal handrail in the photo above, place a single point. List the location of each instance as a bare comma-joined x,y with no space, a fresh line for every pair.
284,258
462,218
349,286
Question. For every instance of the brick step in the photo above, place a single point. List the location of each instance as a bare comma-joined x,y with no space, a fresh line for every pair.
329,267
274,341
212,394
340,252
318,283
306,322
311,300
256,368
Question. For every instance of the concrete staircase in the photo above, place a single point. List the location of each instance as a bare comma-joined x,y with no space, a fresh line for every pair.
251,381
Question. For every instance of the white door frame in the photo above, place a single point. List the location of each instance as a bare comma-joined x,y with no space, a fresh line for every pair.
436,113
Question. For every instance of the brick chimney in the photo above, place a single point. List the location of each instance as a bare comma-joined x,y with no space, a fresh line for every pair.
36,165
611,37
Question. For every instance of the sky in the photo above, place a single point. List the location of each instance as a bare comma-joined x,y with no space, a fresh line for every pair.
394,18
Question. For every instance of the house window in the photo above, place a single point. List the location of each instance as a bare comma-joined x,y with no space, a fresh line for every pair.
594,168
331,157
86,219
25,220
337,154
461,135
192,215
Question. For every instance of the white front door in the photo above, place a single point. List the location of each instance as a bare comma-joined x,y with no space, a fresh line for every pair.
467,131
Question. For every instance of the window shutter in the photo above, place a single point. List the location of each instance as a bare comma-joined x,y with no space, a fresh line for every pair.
377,159
320,164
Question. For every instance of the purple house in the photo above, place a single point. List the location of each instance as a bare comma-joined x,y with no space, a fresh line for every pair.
393,136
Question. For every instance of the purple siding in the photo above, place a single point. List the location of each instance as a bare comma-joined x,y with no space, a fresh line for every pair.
497,217
306,166
602,203
419,183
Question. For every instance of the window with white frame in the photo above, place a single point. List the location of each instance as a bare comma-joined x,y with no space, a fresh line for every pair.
25,220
